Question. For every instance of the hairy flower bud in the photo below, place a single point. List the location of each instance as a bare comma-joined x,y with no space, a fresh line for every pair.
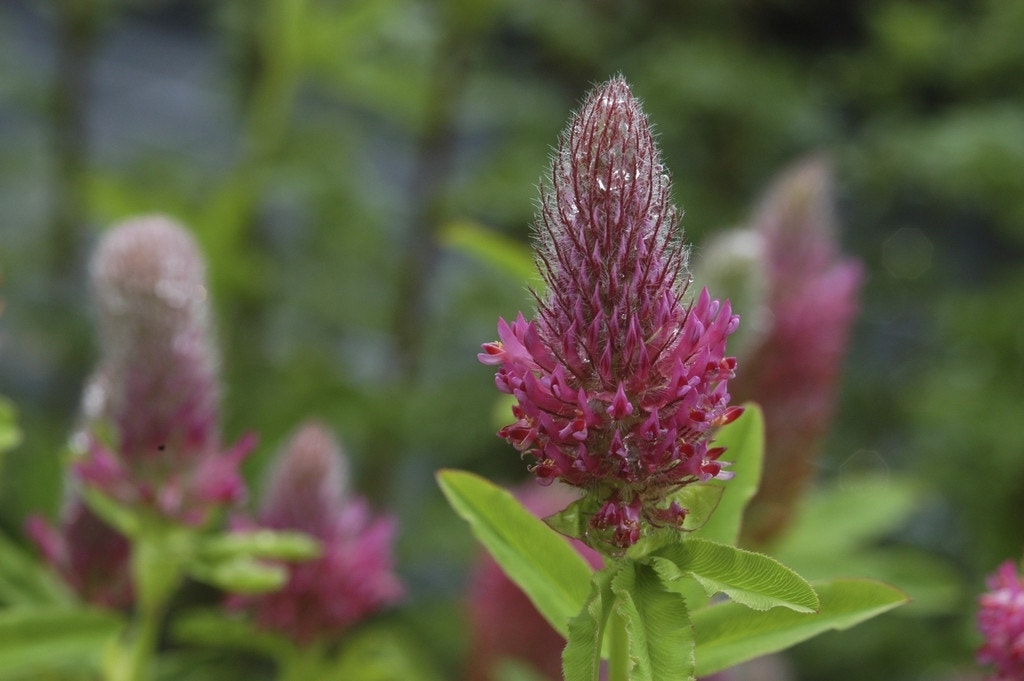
156,388
353,577
620,382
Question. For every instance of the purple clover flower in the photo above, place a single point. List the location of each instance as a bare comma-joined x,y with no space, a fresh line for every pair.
156,388
354,575
802,327
1001,621
620,382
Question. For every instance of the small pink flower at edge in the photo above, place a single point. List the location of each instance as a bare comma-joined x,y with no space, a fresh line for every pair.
1001,622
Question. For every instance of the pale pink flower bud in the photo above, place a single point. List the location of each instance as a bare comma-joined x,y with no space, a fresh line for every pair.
620,382
354,576
156,387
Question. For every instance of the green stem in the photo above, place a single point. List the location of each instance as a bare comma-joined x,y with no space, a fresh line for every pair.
77,29
158,555
136,658
618,648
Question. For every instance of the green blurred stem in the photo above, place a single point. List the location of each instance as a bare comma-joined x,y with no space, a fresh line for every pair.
278,42
135,659
433,166
159,554
77,25
618,648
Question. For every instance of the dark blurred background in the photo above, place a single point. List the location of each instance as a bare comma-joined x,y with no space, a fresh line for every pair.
328,155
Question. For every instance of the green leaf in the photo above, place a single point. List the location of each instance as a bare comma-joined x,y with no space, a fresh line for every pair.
215,628
744,440
240,575
542,563
120,517
572,520
516,670
661,639
581,659
282,545
932,583
728,633
701,502
841,518
36,640
378,654
23,581
752,579
10,434
493,249
207,664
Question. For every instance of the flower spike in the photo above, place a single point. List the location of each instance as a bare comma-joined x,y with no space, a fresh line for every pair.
620,382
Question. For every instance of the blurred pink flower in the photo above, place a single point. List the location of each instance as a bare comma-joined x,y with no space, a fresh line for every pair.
503,624
620,384
151,409
91,557
354,575
1001,621
798,333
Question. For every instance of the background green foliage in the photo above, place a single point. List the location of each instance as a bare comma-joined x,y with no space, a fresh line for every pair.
326,153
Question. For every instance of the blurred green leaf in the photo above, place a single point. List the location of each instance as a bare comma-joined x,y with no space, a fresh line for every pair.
729,633
841,518
10,435
38,640
24,581
380,653
515,670
493,249
282,545
858,514
537,559
125,520
240,574
220,629
752,579
209,665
